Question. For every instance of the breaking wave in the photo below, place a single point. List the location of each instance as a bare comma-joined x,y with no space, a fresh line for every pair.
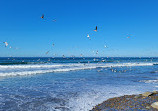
29,69
149,81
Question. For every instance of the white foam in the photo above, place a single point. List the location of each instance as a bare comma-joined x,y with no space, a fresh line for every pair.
13,70
35,66
150,81
88,100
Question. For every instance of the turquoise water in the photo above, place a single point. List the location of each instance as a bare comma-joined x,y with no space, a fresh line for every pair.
72,84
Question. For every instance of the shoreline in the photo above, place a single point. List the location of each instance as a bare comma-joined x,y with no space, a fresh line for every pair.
145,101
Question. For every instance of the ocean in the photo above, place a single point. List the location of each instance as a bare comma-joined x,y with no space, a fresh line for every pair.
72,83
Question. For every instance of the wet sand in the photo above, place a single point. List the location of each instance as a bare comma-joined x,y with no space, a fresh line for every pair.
141,102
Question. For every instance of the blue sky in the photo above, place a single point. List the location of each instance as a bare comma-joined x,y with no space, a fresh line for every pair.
30,36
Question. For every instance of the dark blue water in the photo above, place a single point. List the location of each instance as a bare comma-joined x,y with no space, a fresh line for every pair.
72,84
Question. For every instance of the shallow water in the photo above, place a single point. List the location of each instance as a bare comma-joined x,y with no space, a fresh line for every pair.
72,84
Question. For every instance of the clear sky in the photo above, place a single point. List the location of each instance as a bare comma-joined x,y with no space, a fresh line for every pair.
29,35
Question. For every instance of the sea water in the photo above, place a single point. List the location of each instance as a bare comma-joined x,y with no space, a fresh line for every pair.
73,83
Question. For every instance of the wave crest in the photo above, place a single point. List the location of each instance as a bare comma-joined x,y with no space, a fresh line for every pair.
14,70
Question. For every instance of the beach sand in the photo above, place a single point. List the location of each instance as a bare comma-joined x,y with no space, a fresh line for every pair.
129,103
